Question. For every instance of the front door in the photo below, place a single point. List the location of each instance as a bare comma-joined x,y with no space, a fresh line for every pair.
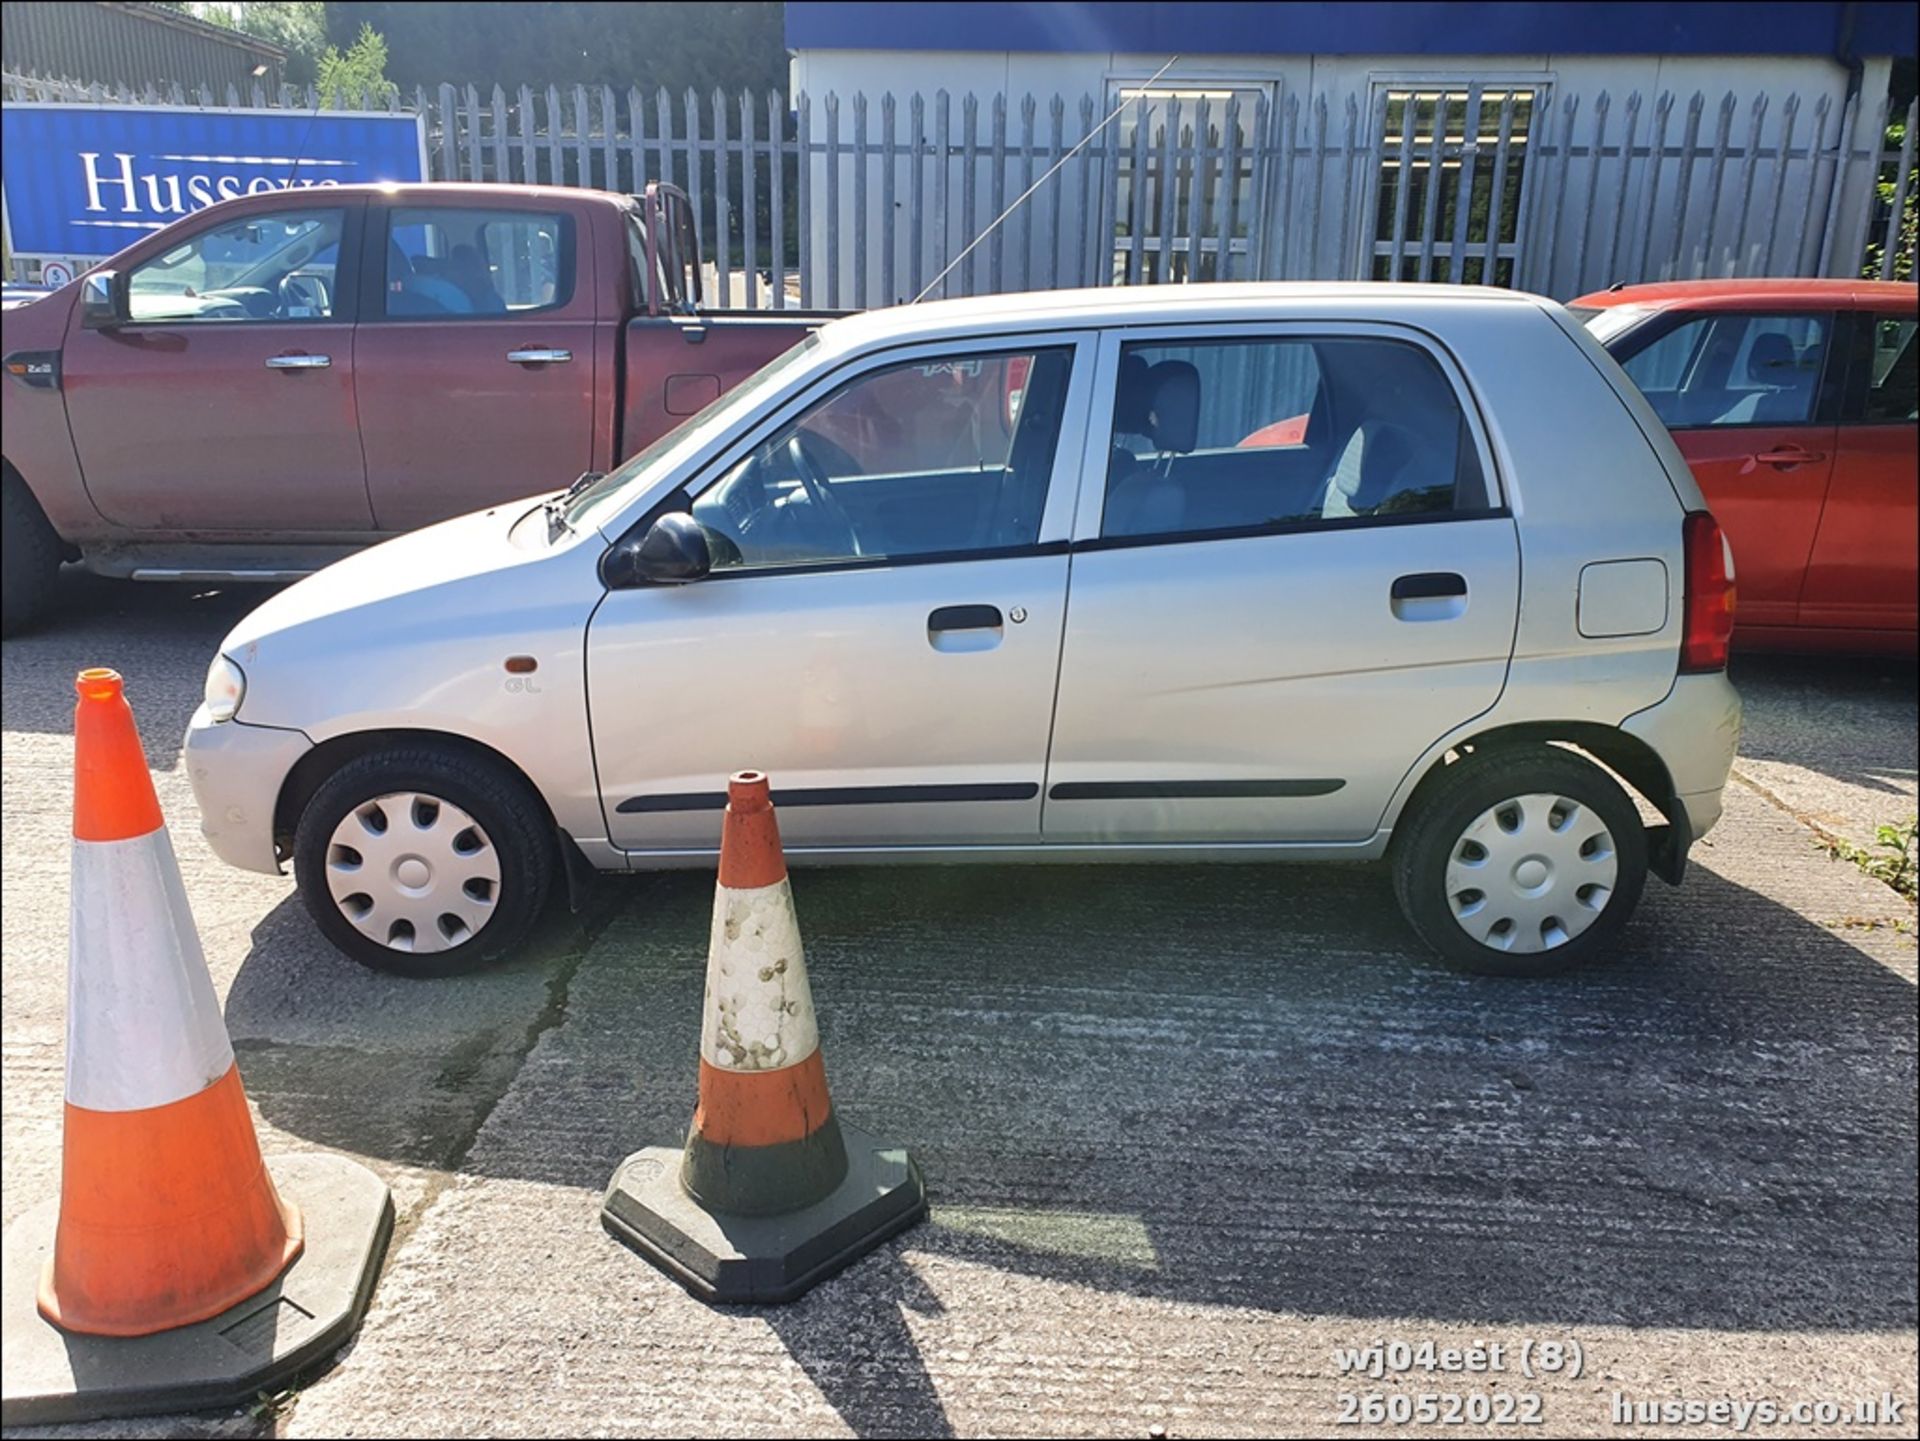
1299,580
1743,396
881,630
1863,575
476,366
227,404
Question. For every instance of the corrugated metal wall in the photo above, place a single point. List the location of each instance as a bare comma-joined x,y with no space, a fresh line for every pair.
129,45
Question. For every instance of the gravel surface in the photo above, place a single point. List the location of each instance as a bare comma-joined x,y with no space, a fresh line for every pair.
1188,1131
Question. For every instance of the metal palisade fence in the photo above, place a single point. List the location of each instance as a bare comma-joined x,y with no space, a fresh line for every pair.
847,201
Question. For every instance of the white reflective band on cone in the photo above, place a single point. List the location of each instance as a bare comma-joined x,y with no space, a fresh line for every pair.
759,1010
143,1024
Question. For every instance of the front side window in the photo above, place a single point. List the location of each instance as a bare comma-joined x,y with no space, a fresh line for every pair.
1719,370
447,262
1245,434
924,458
266,267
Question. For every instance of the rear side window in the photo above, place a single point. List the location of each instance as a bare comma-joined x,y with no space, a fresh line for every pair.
444,262
1237,435
1717,370
1884,389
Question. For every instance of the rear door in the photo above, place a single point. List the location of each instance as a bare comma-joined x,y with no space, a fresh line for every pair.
1863,575
1268,623
475,359
227,404
1751,398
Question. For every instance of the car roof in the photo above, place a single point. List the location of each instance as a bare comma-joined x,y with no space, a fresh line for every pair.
1141,305
1796,294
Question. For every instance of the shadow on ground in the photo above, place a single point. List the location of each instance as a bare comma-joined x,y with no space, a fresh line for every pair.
1277,1105
1851,720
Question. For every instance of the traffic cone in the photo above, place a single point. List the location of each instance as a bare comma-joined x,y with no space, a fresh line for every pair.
773,1191
169,1226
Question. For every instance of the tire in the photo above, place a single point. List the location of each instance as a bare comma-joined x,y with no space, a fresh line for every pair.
1564,852
424,860
29,557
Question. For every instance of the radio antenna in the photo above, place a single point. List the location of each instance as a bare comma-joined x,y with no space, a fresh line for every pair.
1054,170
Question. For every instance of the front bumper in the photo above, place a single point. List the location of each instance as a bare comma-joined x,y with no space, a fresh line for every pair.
237,770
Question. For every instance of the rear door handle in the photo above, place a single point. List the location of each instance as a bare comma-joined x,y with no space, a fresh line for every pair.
1430,585
539,356
299,362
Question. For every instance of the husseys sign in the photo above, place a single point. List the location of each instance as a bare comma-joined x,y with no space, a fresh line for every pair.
89,180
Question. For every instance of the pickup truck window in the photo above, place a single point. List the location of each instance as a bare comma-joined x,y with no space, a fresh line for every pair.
939,457
446,262
265,267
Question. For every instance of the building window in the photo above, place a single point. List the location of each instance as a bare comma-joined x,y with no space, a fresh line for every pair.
1424,156
1171,180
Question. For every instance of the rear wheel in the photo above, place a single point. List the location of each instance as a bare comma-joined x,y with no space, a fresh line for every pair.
424,861
29,557
1521,862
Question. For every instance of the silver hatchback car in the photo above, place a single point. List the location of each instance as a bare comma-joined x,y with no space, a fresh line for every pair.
1202,573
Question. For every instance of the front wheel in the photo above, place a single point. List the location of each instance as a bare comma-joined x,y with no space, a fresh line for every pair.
424,861
1521,862
29,557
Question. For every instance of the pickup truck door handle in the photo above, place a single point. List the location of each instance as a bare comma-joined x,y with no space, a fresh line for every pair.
299,362
539,356
1430,585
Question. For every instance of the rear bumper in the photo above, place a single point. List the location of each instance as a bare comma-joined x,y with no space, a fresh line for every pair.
236,771
1696,732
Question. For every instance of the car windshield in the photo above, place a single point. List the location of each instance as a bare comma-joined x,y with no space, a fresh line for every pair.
689,435
1612,322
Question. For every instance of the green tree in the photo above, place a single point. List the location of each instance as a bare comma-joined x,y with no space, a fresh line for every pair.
1908,236
733,44
359,76
298,27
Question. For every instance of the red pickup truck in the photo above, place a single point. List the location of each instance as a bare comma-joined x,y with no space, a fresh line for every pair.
273,381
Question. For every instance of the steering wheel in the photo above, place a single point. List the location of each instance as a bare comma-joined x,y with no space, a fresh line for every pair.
819,491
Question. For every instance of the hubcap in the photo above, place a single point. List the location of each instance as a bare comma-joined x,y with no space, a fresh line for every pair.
1531,873
413,872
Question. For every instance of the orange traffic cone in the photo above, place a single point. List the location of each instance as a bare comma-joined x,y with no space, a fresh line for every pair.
772,1192
168,1218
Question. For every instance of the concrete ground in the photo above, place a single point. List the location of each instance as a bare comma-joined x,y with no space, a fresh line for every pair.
1188,1131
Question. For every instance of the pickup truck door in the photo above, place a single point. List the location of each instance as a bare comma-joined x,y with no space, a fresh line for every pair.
475,357
881,630
227,401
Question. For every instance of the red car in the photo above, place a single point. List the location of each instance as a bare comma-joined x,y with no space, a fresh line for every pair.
1794,403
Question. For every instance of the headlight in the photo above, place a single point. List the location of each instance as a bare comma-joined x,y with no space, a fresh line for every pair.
226,686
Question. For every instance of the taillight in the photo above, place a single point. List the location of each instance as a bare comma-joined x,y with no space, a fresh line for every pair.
1710,595
1017,370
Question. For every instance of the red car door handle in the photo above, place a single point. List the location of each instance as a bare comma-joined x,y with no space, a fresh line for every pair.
1788,455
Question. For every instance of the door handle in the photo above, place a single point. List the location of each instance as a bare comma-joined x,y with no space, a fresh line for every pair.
964,617
959,629
299,362
1430,585
539,356
1788,456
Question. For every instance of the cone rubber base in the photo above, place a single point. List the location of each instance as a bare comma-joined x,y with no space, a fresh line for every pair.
305,1315
750,1260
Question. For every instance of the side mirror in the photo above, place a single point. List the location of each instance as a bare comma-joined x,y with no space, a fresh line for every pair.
673,552
100,301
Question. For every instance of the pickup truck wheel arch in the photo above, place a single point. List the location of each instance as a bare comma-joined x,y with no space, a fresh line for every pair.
32,554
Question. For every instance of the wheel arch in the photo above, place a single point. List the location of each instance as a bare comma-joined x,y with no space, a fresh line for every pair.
313,768
1630,759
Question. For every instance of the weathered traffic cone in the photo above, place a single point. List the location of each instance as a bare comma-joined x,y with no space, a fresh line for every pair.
178,1270
773,1192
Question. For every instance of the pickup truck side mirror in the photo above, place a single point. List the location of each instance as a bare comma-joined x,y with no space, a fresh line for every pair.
102,305
673,552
